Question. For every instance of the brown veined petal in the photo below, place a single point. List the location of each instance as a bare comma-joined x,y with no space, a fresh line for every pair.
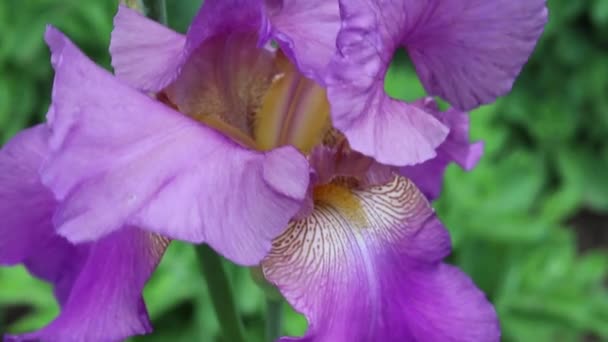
366,266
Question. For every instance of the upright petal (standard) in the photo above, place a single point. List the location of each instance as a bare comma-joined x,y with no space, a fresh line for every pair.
164,52
307,32
468,52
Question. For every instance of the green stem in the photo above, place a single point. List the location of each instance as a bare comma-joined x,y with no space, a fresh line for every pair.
2,318
157,10
274,319
220,291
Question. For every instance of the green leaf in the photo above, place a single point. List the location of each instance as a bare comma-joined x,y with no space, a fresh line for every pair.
19,288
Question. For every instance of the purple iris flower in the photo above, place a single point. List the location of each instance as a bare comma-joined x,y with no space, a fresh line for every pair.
218,136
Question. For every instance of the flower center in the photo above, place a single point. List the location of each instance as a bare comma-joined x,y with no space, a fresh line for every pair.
294,111
254,95
343,199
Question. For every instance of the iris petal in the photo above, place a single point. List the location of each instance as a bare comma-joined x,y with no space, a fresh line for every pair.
121,158
428,176
306,31
25,205
149,56
466,51
366,266
145,54
105,300
391,131
469,52
27,234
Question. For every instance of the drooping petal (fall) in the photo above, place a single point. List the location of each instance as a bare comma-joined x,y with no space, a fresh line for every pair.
121,158
105,300
428,176
366,265
27,234
306,31
468,52
25,205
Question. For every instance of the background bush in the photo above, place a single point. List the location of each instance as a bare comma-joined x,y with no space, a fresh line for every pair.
528,224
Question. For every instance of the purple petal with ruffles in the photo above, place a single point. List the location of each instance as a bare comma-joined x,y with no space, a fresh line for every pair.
306,31
391,131
467,52
149,56
105,302
121,158
428,176
375,272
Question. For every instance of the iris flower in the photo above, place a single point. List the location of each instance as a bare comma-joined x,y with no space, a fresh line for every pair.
288,156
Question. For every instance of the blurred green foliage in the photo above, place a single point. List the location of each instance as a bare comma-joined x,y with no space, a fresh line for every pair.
529,224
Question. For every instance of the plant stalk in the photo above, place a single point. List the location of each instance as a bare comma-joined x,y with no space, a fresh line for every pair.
157,10
274,319
222,296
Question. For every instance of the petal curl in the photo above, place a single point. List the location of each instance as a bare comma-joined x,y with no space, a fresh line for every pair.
120,158
306,31
149,56
428,176
374,273
105,301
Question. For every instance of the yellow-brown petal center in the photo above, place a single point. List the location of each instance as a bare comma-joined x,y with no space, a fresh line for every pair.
255,96
343,199
294,111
